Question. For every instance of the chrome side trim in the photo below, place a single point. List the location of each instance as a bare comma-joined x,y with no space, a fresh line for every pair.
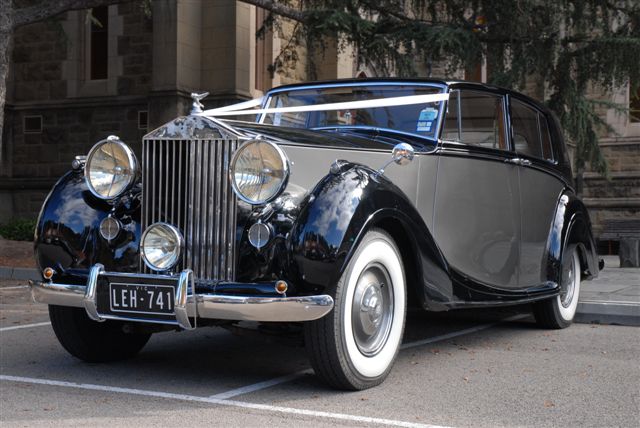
90,296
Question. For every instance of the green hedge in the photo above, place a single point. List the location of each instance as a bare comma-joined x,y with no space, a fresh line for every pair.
20,229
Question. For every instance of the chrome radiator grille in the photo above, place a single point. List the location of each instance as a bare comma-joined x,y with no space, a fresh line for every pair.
185,183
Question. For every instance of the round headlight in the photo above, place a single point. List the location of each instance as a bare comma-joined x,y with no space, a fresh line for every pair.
110,169
259,171
161,246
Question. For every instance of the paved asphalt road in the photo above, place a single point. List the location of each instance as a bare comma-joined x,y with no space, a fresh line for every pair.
458,369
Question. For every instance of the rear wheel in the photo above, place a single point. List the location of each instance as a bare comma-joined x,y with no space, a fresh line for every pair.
93,341
354,346
559,311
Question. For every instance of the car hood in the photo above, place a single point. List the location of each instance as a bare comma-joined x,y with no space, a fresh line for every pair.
343,137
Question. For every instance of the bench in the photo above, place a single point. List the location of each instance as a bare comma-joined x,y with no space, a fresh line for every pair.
627,232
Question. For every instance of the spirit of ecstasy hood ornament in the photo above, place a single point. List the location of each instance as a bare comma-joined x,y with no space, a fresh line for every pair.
197,106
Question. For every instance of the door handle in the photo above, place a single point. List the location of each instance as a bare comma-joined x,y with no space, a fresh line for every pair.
519,161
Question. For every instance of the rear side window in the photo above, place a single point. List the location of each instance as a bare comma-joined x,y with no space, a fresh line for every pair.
530,131
547,152
475,118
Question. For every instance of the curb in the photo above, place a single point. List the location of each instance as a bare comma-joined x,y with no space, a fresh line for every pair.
617,313
18,273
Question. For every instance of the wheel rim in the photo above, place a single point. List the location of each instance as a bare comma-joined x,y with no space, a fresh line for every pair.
372,309
568,286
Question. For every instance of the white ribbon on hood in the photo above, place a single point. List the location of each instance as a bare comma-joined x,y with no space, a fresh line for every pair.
245,108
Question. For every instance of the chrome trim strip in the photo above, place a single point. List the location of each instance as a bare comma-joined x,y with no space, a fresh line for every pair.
210,214
90,296
191,204
224,184
152,169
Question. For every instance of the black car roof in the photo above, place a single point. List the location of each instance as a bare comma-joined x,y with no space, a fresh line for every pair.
441,82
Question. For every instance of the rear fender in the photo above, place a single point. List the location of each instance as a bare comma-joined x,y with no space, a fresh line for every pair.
571,225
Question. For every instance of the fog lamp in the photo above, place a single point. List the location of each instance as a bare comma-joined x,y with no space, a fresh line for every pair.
161,246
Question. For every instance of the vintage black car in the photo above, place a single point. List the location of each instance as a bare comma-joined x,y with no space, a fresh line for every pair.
332,209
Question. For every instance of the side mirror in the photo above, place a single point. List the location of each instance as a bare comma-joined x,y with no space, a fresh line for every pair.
402,154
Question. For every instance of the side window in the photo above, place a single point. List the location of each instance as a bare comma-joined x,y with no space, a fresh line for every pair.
547,151
475,118
530,131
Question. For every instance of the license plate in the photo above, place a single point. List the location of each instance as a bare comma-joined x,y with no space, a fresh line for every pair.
141,298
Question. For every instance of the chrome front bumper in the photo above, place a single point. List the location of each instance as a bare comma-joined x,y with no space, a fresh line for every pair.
188,305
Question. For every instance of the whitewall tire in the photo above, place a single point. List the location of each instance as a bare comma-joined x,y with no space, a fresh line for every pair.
354,346
560,311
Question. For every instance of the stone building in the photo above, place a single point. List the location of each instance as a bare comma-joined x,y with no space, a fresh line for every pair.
73,82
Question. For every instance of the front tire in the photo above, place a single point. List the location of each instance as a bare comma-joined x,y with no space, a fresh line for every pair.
559,311
91,341
354,346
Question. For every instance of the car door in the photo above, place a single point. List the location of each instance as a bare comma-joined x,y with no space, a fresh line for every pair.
539,186
476,219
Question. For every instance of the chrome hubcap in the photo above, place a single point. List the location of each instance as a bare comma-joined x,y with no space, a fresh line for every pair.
568,286
372,309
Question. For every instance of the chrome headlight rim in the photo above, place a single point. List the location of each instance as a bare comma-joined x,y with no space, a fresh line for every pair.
179,238
131,157
285,166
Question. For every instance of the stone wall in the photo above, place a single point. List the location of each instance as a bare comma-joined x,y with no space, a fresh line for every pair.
619,196
47,80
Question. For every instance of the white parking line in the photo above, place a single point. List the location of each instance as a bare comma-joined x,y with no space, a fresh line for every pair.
232,403
18,327
14,287
283,379
261,385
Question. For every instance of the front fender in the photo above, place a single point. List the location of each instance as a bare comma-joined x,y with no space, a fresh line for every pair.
336,216
67,233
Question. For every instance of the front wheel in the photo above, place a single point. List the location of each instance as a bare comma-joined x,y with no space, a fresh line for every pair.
354,346
91,341
559,311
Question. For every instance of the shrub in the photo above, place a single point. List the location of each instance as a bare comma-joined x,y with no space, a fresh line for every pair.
20,229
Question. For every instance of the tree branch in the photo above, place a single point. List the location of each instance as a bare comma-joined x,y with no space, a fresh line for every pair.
279,9
47,9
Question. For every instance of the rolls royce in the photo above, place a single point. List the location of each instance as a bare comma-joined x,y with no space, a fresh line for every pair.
331,205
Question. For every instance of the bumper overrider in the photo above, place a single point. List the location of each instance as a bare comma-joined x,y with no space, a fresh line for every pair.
188,306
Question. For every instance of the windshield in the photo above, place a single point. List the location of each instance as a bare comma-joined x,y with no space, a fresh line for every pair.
418,119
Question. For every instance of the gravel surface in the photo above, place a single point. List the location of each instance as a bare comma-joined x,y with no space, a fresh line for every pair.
16,253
